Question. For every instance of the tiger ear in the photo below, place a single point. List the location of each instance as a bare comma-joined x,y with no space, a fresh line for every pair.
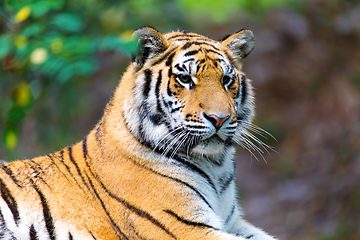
150,42
240,43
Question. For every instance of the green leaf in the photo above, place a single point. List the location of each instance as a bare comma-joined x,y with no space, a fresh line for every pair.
82,68
33,30
130,47
16,5
11,137
39,8
5,45
53,66
111,43
68,22
75,47
16,114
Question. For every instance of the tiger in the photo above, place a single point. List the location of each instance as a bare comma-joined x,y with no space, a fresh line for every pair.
160,162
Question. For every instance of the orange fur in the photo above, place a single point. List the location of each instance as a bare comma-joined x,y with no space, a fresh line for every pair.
111,185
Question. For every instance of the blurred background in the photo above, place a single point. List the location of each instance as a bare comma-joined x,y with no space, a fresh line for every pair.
61,59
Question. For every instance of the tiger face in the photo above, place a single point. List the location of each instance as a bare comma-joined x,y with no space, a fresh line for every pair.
195,97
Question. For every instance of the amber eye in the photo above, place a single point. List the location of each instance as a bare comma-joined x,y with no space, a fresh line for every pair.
226,80
185,79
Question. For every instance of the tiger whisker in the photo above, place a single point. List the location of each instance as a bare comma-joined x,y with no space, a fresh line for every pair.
257,129
253,146
260,143
245,146
159,144
184,136
175,140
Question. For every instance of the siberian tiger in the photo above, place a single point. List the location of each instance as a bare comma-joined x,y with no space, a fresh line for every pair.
159,164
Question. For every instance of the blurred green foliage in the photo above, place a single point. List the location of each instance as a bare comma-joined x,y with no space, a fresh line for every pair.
47,45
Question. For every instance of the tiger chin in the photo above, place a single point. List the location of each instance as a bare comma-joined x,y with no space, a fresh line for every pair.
159,164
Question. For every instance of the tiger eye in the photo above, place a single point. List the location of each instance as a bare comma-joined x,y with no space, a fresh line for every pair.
226,80
185,78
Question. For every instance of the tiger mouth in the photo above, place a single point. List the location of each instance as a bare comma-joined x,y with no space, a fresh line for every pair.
185,141
213,139
210,141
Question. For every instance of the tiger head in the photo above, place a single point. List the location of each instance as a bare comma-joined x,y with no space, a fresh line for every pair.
190,95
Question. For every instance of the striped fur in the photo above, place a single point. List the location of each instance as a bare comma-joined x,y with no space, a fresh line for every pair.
158,165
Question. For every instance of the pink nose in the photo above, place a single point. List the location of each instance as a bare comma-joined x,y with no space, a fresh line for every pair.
216,121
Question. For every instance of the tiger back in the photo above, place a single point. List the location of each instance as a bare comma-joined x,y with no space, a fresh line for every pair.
159,164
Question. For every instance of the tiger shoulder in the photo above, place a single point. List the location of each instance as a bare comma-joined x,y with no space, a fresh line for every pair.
159,164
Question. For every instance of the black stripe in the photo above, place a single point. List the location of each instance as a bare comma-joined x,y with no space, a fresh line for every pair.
215,63
10,174
84,146
194,168
184,162
230,214
156,119
148,78
62,161
117,229
189,44
238,86
244,90
157,93
101,202
144,54
68,169
47,214
144,112
73,160
176,180
143,214
32,233
2,221
184,35
196,127
226,183
177,109
216,52
2,225
168,90
36,173
188,60
54,163
172,178
77,169
95,238
10,201
179,68
164,57
199,64
194,39
188,185
134,209
190,53
70,236
170,59
188,222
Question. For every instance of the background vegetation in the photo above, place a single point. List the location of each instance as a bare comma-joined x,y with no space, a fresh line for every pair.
61,59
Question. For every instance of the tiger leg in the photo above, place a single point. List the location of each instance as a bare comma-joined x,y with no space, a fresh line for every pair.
249,231
218,235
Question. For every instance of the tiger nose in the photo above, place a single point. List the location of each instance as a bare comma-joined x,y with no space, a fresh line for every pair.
216,120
